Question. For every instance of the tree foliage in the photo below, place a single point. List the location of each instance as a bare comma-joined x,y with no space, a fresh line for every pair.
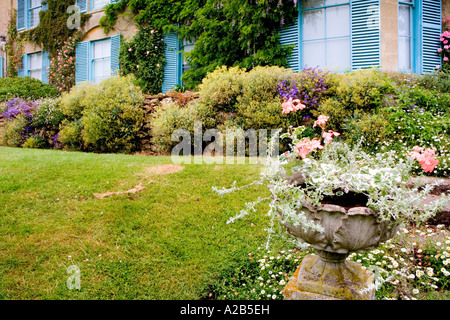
241,33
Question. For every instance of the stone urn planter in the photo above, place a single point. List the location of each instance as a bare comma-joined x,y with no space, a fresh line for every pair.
328,275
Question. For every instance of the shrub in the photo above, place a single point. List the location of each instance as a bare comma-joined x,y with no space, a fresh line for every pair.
362,90
221,88
171,116
15,131
110,115
26,88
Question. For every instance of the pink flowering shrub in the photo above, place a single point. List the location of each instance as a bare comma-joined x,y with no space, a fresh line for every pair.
61,72
426,158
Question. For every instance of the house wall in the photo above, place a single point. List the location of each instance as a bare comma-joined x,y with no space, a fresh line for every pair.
389,35
445,9
124,26
5,9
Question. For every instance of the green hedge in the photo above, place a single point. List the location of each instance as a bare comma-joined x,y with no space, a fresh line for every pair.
25,88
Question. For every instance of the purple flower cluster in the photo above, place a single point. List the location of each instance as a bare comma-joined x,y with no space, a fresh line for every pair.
18,106
309,85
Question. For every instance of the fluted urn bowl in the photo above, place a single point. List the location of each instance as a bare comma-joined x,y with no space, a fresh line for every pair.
328,274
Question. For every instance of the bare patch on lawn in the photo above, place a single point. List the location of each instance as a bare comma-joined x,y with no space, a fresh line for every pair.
136,189
165,168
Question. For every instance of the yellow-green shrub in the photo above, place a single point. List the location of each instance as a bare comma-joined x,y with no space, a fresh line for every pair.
13,131
110,114
222,87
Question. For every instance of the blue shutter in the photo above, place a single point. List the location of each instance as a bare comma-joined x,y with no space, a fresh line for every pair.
365,33
21,14
115,49
45,65
82,4
1,67
23,72
290,35
429,34
172,68
82,62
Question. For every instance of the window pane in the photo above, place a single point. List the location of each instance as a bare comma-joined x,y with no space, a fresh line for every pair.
101,49
312,3
34,17
404,53
36,74
404,20
331,2
99,3
102,69
314,53
314,24
35,61
338,21
338,54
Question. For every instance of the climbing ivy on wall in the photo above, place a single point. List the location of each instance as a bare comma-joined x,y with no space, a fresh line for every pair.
13,47
240,33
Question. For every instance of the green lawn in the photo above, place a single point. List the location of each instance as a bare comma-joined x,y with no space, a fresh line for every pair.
167,241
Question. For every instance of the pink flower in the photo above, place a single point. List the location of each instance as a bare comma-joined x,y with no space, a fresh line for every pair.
328,136
321,121
445,41
440,50
292,105
445,58
426,158
445,47
438,66
306,146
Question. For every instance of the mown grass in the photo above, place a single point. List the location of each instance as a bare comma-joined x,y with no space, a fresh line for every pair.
168,241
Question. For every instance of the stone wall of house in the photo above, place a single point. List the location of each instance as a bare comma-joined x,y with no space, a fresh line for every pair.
445,9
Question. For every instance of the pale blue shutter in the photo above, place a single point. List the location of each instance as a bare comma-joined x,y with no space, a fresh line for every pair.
21,14
172,67
115,49
23,72
365,33
429,34
82,4
45,66
1,67
82,62
290,35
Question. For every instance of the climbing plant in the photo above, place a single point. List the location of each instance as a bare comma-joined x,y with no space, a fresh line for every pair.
13,47
144,57
240,33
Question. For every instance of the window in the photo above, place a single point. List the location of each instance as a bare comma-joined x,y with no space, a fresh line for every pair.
187,47
34,7
35,65
97,60
326,34
405,35
101,60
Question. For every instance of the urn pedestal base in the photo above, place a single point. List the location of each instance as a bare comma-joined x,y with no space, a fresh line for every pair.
320,277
